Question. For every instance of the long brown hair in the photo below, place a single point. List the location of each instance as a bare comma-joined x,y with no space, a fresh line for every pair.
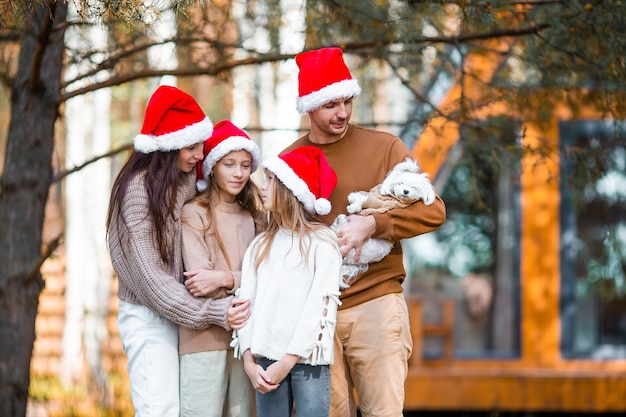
249,198
287,213
161,182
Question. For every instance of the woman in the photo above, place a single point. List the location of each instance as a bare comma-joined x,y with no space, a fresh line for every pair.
144,240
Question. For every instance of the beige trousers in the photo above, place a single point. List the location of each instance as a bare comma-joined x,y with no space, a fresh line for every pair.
214,384
372,348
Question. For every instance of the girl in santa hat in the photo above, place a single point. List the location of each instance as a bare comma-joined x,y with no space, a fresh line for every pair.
218,226
291,275
144,234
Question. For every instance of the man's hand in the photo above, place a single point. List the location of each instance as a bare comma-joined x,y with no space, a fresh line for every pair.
357,230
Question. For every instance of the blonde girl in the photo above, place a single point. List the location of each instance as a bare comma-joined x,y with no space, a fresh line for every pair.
291,275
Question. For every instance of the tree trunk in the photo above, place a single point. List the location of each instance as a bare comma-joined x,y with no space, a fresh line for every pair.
24,188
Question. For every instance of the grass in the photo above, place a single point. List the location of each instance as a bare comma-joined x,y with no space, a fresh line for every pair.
49,397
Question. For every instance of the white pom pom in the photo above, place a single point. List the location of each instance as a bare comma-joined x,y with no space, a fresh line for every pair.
202,185
322,206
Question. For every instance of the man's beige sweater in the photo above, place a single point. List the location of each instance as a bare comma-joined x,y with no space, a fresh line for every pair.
201,251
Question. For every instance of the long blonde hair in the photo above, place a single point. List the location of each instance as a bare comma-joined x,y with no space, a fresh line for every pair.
287,213
249,198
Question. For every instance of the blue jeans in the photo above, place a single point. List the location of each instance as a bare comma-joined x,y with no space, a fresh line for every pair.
306,386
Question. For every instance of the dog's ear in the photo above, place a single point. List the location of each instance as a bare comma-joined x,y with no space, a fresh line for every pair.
408,165
427,190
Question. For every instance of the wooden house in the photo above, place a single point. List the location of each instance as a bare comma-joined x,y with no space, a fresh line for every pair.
519,305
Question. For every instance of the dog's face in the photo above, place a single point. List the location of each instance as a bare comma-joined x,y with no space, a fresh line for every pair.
404,186
407,185
405,193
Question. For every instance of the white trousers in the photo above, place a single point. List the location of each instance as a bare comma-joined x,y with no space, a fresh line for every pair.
151,345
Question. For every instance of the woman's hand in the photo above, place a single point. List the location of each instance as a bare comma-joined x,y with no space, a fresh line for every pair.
238,313
208,283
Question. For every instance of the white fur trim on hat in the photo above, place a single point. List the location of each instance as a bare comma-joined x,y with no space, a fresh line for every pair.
322,206
233,143
335,91
202,185
187,136
291,180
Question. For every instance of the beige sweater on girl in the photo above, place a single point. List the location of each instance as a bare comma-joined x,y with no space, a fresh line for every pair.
201,251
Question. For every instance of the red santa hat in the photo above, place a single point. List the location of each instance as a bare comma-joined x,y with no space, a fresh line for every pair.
226,138
323,77
173,121
307,174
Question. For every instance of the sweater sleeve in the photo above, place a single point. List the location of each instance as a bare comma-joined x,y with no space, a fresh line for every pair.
197,253
140,267
314,335
417,219
242,338
237,282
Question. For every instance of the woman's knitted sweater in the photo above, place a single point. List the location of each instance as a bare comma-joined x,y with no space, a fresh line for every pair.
143,276
201,251
293,300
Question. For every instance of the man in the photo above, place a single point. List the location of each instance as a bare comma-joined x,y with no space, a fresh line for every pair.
372,339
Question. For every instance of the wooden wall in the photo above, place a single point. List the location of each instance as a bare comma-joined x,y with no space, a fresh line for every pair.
46,359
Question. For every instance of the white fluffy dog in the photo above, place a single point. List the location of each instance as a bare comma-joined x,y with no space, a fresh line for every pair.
403,186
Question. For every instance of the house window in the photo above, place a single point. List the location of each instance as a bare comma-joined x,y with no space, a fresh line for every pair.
473,259
593,239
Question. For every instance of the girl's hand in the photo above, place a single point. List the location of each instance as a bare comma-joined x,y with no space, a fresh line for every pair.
280,369
238,313
260,379
207,283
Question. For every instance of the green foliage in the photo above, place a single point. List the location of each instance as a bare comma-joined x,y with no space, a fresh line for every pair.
594,174
13,12
48,393
583,46
467,241
558,46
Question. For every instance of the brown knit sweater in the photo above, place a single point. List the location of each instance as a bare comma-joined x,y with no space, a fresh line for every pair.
201,251
143,277
362,159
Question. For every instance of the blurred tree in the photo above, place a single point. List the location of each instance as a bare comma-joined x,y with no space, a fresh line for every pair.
573,51
34,68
